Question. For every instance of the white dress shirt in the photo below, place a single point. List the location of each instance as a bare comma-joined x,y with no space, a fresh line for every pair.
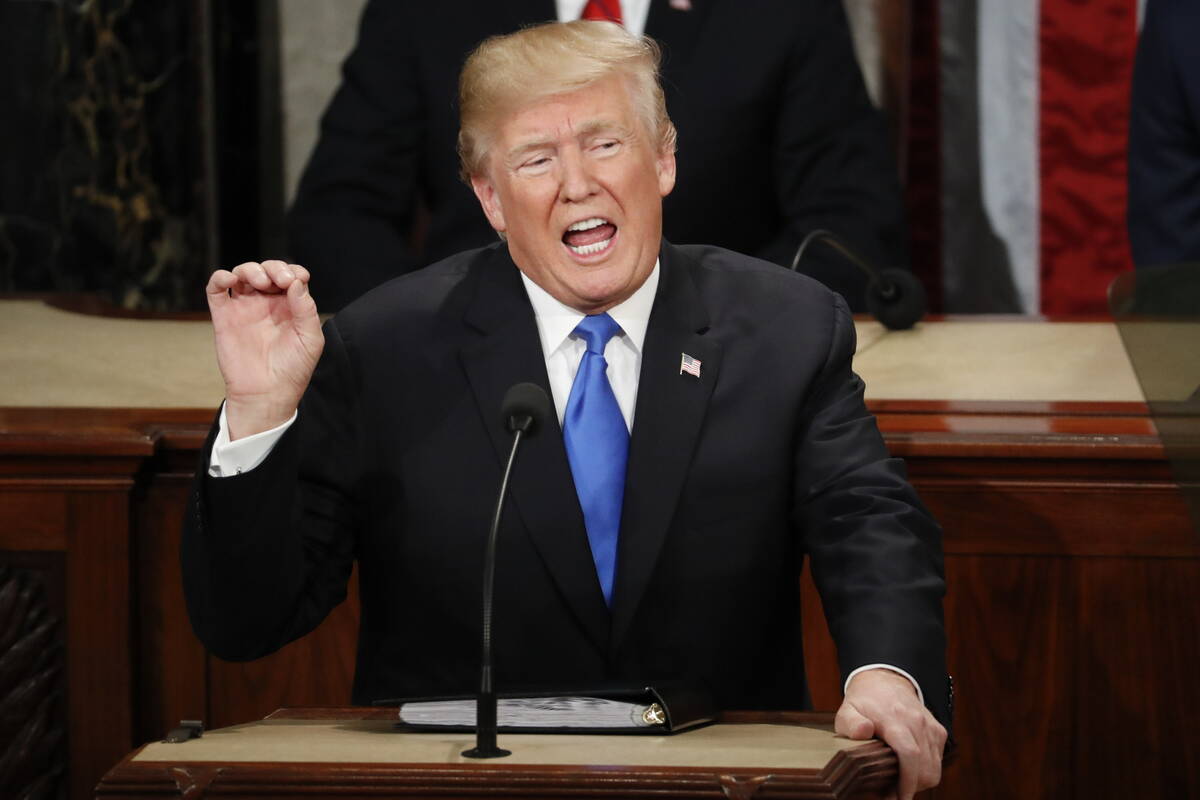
564,351
633,13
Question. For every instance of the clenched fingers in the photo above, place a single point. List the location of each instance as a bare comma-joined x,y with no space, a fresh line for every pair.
267,277
920,765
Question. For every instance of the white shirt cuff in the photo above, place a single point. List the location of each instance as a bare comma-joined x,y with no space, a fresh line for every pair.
865,667
233,458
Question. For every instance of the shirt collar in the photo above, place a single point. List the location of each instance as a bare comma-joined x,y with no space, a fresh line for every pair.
633,12
555,320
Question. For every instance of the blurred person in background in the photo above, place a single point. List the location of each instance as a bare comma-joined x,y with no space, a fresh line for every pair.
777,137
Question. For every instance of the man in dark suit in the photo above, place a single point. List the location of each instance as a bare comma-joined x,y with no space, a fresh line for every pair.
1164,137
777,134
378,440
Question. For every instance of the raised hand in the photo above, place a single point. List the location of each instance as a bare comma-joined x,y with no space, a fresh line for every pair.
268,339
883,704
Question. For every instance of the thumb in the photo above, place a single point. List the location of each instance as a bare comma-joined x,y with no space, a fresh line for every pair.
217,290
851,724
304,311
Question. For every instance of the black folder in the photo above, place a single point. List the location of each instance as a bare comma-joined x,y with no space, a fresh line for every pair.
674,708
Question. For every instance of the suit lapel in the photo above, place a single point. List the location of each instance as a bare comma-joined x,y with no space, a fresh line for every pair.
670,410
542,493
677,31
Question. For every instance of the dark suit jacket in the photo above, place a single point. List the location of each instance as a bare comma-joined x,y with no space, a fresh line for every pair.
733,477
776,137
1164,137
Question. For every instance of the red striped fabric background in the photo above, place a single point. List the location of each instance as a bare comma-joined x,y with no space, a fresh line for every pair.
1087,49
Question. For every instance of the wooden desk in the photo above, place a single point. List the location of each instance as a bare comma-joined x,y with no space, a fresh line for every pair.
60,359
1073,605
355,753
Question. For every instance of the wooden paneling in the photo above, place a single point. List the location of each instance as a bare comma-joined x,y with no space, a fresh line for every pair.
1008,621
1137,644
172,674
1073,607
76,508
33,725
34,520
99,636
1097,518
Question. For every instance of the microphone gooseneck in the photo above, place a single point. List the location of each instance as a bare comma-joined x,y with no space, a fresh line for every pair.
894,296
524,410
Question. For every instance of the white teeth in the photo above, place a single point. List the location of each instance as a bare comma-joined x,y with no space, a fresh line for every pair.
588,249
587,224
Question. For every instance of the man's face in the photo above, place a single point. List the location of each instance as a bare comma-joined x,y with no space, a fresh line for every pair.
577,184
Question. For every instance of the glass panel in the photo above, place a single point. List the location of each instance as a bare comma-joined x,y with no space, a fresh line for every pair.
1157,311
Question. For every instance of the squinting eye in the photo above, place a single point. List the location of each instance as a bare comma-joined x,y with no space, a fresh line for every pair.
538,164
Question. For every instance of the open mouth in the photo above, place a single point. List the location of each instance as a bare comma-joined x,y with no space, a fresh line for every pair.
589,236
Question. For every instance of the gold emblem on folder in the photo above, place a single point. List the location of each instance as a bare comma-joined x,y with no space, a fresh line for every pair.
653,715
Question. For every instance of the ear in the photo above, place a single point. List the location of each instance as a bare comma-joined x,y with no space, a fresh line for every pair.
489,200
664,165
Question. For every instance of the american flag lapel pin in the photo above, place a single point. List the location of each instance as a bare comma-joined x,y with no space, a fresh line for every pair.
689,365
681,5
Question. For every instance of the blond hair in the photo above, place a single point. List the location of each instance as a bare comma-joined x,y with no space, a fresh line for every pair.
507,72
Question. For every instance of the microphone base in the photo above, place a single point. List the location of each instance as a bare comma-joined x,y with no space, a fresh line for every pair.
486,752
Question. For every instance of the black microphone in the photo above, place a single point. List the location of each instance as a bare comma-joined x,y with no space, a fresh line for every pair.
894,296
525,409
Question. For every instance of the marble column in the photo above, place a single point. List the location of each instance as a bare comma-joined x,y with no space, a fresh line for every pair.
103,176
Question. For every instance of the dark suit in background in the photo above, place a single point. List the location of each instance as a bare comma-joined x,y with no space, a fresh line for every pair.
734,477
1164,136
776,137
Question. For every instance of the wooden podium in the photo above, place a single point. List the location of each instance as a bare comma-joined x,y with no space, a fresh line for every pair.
357,752
1073,570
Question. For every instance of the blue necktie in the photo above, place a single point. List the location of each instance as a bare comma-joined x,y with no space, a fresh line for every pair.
597,444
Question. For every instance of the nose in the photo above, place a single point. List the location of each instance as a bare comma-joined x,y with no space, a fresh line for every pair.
577,181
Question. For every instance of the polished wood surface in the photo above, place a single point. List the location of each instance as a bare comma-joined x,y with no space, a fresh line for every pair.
354,753
64,359
1073,600
1073,606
